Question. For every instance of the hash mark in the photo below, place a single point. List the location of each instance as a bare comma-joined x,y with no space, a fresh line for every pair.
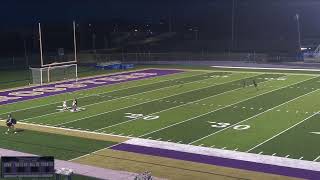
261,152
287,156
316,158
301,158
274,154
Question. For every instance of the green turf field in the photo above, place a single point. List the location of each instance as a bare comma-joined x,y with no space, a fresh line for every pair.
220,109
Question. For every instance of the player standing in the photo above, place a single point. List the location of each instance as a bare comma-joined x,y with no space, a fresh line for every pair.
64,105
74,105
244,83
255,84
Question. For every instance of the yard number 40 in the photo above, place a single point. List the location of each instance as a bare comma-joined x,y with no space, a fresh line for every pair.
224,125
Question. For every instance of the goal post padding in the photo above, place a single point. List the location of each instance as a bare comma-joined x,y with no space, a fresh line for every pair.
54,73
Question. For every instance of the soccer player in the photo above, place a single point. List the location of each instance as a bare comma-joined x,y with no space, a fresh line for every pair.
244,83
10,124
74,105
64,105
255,84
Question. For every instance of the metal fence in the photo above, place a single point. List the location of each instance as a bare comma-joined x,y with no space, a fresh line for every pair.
150,58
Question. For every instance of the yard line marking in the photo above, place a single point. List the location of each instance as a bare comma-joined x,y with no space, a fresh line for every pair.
282,131
224,148
179,141
270,109
192,102
212,146
287,156
261,152
132,105
315,132
274,154
235,149
102,92
301,158
123,97
158,139
316,158
223,107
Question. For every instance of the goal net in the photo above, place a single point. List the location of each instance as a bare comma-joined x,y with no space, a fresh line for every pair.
54,73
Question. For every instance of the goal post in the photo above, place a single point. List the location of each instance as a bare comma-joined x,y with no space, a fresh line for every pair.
57,70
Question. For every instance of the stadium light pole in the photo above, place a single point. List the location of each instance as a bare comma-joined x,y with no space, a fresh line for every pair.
297,17
232,23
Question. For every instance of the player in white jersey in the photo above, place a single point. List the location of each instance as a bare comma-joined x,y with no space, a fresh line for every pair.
64,105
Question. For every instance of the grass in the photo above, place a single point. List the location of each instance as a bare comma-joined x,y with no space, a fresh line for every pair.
203,108
40,143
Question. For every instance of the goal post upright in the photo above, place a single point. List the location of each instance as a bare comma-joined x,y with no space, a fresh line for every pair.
48,71
75,47
40,44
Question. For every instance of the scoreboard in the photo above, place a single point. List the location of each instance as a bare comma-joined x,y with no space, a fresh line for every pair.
27,166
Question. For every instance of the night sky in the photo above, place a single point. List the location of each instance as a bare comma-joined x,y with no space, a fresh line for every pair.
254,19
275,15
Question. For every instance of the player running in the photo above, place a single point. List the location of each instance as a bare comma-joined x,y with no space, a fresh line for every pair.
10,124
255,84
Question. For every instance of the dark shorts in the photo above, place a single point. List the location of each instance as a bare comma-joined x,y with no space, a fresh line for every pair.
9,124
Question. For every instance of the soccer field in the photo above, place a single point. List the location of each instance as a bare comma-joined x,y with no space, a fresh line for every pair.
219,109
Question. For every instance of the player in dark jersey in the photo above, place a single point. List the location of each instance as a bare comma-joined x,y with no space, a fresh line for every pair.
10,124
74,105
244,83
255,84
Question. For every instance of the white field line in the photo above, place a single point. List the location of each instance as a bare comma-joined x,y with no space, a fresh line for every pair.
222,108
145,101
316,158
175,107
122,98
287,69
75,130
243,71
90,77
82,78
281,132
170,108
105,92
252,117
96,151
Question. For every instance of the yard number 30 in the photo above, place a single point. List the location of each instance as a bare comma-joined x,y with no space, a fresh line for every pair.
224,125
137,116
